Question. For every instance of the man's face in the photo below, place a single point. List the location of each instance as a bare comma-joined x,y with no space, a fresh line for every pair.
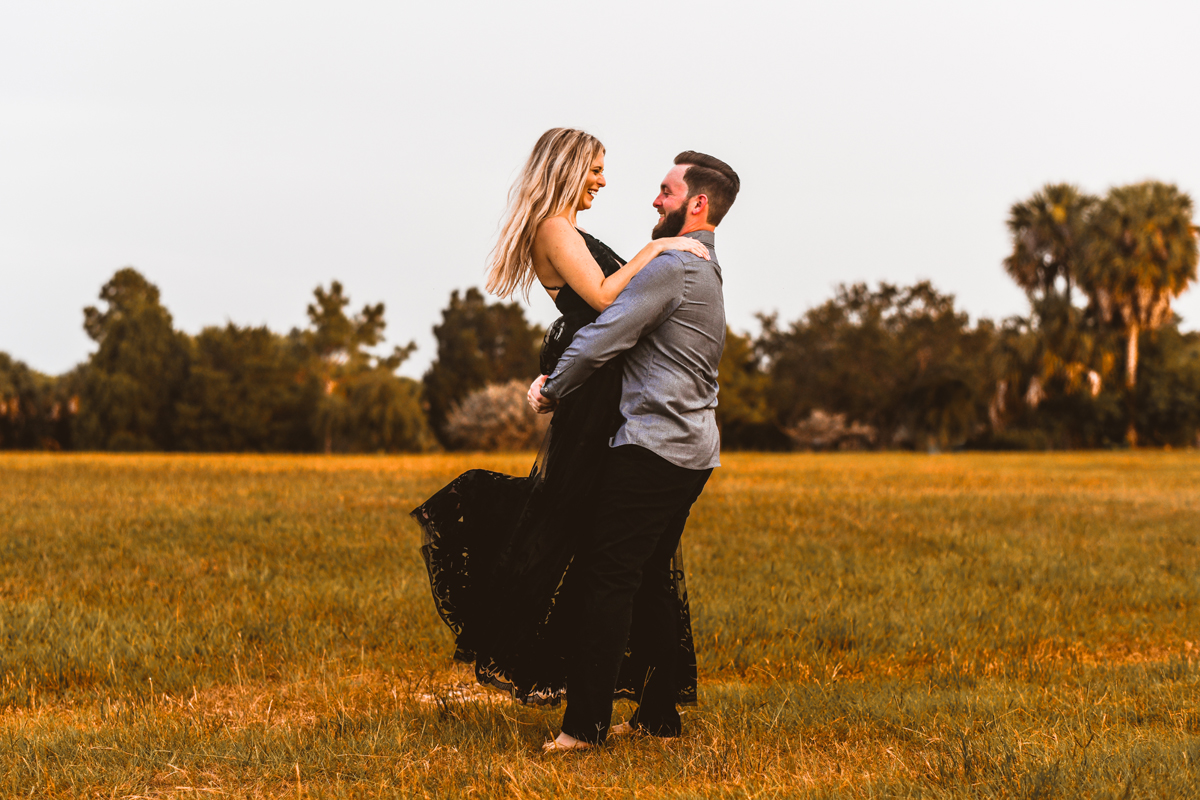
671,204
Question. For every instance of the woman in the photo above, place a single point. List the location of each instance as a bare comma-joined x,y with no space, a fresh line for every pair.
498,547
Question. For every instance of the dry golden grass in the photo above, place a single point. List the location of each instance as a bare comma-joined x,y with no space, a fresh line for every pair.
867,626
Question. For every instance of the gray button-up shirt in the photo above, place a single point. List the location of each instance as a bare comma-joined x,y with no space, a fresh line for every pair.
671,320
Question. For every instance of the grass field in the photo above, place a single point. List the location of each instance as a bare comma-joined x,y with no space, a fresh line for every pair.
867,626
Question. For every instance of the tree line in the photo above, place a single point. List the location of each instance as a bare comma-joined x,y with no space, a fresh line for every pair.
1098,361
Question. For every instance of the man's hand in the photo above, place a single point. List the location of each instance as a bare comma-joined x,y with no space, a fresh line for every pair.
539,403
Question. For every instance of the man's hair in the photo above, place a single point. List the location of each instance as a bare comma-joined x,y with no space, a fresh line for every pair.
713,178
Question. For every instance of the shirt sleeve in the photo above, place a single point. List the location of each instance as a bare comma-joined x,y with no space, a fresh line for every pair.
651,296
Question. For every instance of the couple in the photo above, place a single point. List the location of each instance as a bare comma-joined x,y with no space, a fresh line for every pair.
569,581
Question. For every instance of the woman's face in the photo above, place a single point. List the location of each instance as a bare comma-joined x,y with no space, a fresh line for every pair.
595,180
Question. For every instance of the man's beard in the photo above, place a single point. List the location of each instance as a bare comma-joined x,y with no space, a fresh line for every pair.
671,224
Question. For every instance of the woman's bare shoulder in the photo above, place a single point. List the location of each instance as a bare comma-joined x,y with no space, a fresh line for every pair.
555,229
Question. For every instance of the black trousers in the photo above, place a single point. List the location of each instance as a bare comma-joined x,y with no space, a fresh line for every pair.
621,576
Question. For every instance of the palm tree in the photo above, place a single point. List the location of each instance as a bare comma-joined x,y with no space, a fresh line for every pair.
1049,236
1140,255
1049,231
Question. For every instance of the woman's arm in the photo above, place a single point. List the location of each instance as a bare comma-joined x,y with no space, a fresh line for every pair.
568,253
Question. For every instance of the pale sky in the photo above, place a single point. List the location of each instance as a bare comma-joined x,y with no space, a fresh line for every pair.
240,153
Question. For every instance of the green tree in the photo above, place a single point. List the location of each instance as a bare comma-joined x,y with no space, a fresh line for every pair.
1168,387
385,414
33,413
1027,409
478,344
131,383
744,414
1050,234
1141,254
246,391
338,345
903,361
362,404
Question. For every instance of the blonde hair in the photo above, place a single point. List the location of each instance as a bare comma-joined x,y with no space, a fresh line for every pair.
551,182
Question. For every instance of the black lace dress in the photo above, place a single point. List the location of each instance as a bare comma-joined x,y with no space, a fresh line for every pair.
498,547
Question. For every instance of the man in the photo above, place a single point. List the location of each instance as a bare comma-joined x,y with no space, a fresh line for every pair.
671,320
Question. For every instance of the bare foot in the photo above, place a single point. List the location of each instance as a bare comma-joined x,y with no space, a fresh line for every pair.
565,743
621,729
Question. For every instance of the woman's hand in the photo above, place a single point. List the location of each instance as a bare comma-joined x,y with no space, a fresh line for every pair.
684,243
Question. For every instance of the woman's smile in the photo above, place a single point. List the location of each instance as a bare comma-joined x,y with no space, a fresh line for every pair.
595,182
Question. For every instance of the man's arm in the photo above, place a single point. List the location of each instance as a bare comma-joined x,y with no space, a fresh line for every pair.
652,296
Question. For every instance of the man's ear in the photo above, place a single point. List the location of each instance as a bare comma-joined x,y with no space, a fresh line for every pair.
698,204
